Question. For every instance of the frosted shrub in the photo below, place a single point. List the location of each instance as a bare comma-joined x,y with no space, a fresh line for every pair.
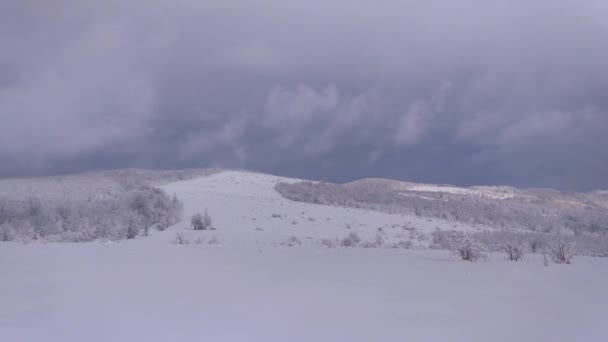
201,222
468,250
514,250
329,243
180,239
445,239
197,221
404,244
207,223
6,233
351,240
562,252
377,242
132,228
292,241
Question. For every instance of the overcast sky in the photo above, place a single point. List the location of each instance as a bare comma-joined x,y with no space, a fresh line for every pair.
464,92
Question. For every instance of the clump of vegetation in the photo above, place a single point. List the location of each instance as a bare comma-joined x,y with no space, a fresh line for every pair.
329,243
468,250
377,242
180,239
351,240
514,250
201,222
292,241
124,212
562,252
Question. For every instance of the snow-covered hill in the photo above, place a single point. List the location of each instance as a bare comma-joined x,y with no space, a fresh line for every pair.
246,210
248,280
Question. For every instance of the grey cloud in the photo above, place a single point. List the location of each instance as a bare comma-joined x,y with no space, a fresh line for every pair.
461,92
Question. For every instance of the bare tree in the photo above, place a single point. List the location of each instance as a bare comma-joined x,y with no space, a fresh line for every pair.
514,250
562,252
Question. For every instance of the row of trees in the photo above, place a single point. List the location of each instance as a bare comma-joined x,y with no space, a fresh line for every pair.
123,215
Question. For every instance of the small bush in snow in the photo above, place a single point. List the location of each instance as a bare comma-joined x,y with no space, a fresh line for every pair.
445,239
514,250
329,243
292,241
562,252
214,240
276,215
405,244
468,250
201,222
180,239
377,242
536,245
351,240
6,233
132,228
197,221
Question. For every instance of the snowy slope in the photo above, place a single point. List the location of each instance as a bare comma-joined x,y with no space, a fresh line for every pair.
249,287
247,210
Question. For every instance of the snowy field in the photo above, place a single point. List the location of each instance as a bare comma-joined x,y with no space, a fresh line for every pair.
241,282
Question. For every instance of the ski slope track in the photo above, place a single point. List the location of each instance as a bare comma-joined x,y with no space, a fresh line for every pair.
243,282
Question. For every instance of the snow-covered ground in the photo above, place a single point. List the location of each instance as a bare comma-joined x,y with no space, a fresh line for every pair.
247,210
248,286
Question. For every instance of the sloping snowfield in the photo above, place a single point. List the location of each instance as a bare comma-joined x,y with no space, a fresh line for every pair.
247,285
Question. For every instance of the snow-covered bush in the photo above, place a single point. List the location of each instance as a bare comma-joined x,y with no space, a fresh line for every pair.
351,240
180,239
468,250
214,240
404,244
197,221
514,250
329,243
132,227
444,239
201,222
292,241
562,251
377,242
6,233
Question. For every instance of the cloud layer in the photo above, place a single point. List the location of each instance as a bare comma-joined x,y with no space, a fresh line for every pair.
468,92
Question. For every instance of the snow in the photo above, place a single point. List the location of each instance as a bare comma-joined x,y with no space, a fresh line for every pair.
249,287
240,202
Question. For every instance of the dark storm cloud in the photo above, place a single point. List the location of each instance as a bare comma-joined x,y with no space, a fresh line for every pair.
464,92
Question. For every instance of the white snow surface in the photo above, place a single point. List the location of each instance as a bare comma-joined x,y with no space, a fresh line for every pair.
251,287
